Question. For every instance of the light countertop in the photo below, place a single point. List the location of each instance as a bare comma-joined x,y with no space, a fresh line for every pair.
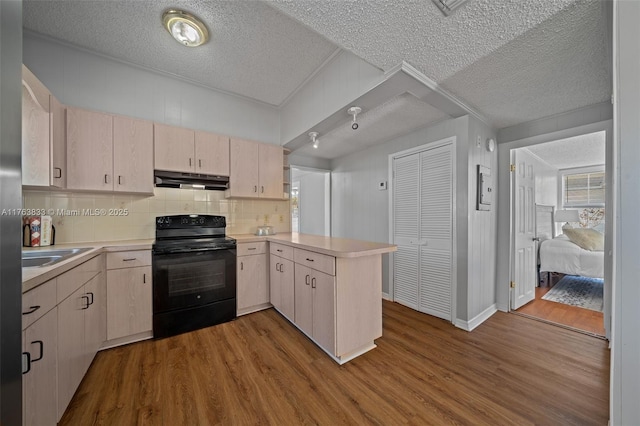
34,276
337,247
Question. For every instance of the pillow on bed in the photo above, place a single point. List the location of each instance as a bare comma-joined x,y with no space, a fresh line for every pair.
586,238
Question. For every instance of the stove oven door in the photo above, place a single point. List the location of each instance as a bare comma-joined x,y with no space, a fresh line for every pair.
184,280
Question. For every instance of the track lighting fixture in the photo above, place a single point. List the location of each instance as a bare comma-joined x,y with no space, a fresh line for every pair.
354,111
314,139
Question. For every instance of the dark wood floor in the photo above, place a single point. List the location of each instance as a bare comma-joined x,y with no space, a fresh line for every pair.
570,316
259,369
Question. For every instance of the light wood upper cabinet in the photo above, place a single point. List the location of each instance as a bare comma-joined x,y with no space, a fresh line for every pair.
89,150
211,154
132,155
43,135
270,168
173,148
255,170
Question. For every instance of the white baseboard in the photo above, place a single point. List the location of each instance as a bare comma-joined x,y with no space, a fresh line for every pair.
503,307
477,320
385,296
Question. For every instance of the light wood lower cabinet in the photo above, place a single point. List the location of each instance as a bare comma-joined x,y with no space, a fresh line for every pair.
129,297
315,313
81,327
252,278
282,285
39,388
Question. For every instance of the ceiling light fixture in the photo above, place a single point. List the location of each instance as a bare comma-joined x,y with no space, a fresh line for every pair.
354,110
185,28
314,139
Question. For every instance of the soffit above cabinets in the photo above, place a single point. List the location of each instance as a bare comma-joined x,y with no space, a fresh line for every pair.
405,101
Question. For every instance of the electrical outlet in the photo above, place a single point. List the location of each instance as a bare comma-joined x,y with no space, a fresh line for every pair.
266,219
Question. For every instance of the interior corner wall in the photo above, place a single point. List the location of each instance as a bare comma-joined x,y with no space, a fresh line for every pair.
344,78
361,211
87,80
480,292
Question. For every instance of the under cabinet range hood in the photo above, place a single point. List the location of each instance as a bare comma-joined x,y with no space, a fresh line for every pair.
165,179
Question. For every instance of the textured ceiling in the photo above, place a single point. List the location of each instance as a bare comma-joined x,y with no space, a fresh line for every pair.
578,151
254,51
397,116
513,60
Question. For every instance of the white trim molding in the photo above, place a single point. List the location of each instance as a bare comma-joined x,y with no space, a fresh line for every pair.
477,320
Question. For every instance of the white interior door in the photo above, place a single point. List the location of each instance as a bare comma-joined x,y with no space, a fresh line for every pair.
423,230
524,259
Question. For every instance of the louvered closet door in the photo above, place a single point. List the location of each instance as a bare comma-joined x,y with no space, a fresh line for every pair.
406,215
436,201
423,220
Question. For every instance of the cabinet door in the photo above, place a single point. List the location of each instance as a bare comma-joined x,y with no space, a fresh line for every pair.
287,289
35,140
270,171
129,301
303,297
212,154
173,148
40,339
253,283
324,312
95,319
89,150
58,143
275,282
132,155
71,347
243,168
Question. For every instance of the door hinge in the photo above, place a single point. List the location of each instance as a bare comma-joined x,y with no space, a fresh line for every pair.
512,167
512,284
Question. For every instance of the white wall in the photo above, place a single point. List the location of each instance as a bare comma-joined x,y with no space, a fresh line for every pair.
86,80
311,203
480,294
625,368
345,78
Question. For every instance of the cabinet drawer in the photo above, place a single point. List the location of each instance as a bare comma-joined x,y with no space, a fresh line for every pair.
317,261
128,259
281,250
73,279
37,302
246,249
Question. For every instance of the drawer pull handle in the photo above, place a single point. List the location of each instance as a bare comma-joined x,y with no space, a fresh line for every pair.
31,310
281,265
279,250
90,294
200,163
242,266
309,260
144,278
41,344
119,180
86,297
129,259
251,248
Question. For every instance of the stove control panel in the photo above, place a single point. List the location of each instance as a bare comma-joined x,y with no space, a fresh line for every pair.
189,221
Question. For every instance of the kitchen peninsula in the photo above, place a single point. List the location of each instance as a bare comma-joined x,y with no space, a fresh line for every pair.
329,288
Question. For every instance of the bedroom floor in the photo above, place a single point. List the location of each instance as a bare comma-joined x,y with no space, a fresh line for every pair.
585,320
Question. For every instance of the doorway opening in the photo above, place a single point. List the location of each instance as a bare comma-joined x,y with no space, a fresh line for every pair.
310,201
558,196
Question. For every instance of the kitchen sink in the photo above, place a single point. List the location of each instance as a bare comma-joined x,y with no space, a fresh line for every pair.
49,257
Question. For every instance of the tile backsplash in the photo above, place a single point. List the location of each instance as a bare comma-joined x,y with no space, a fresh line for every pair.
84,217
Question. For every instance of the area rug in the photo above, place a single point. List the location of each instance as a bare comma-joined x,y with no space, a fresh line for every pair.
578,291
